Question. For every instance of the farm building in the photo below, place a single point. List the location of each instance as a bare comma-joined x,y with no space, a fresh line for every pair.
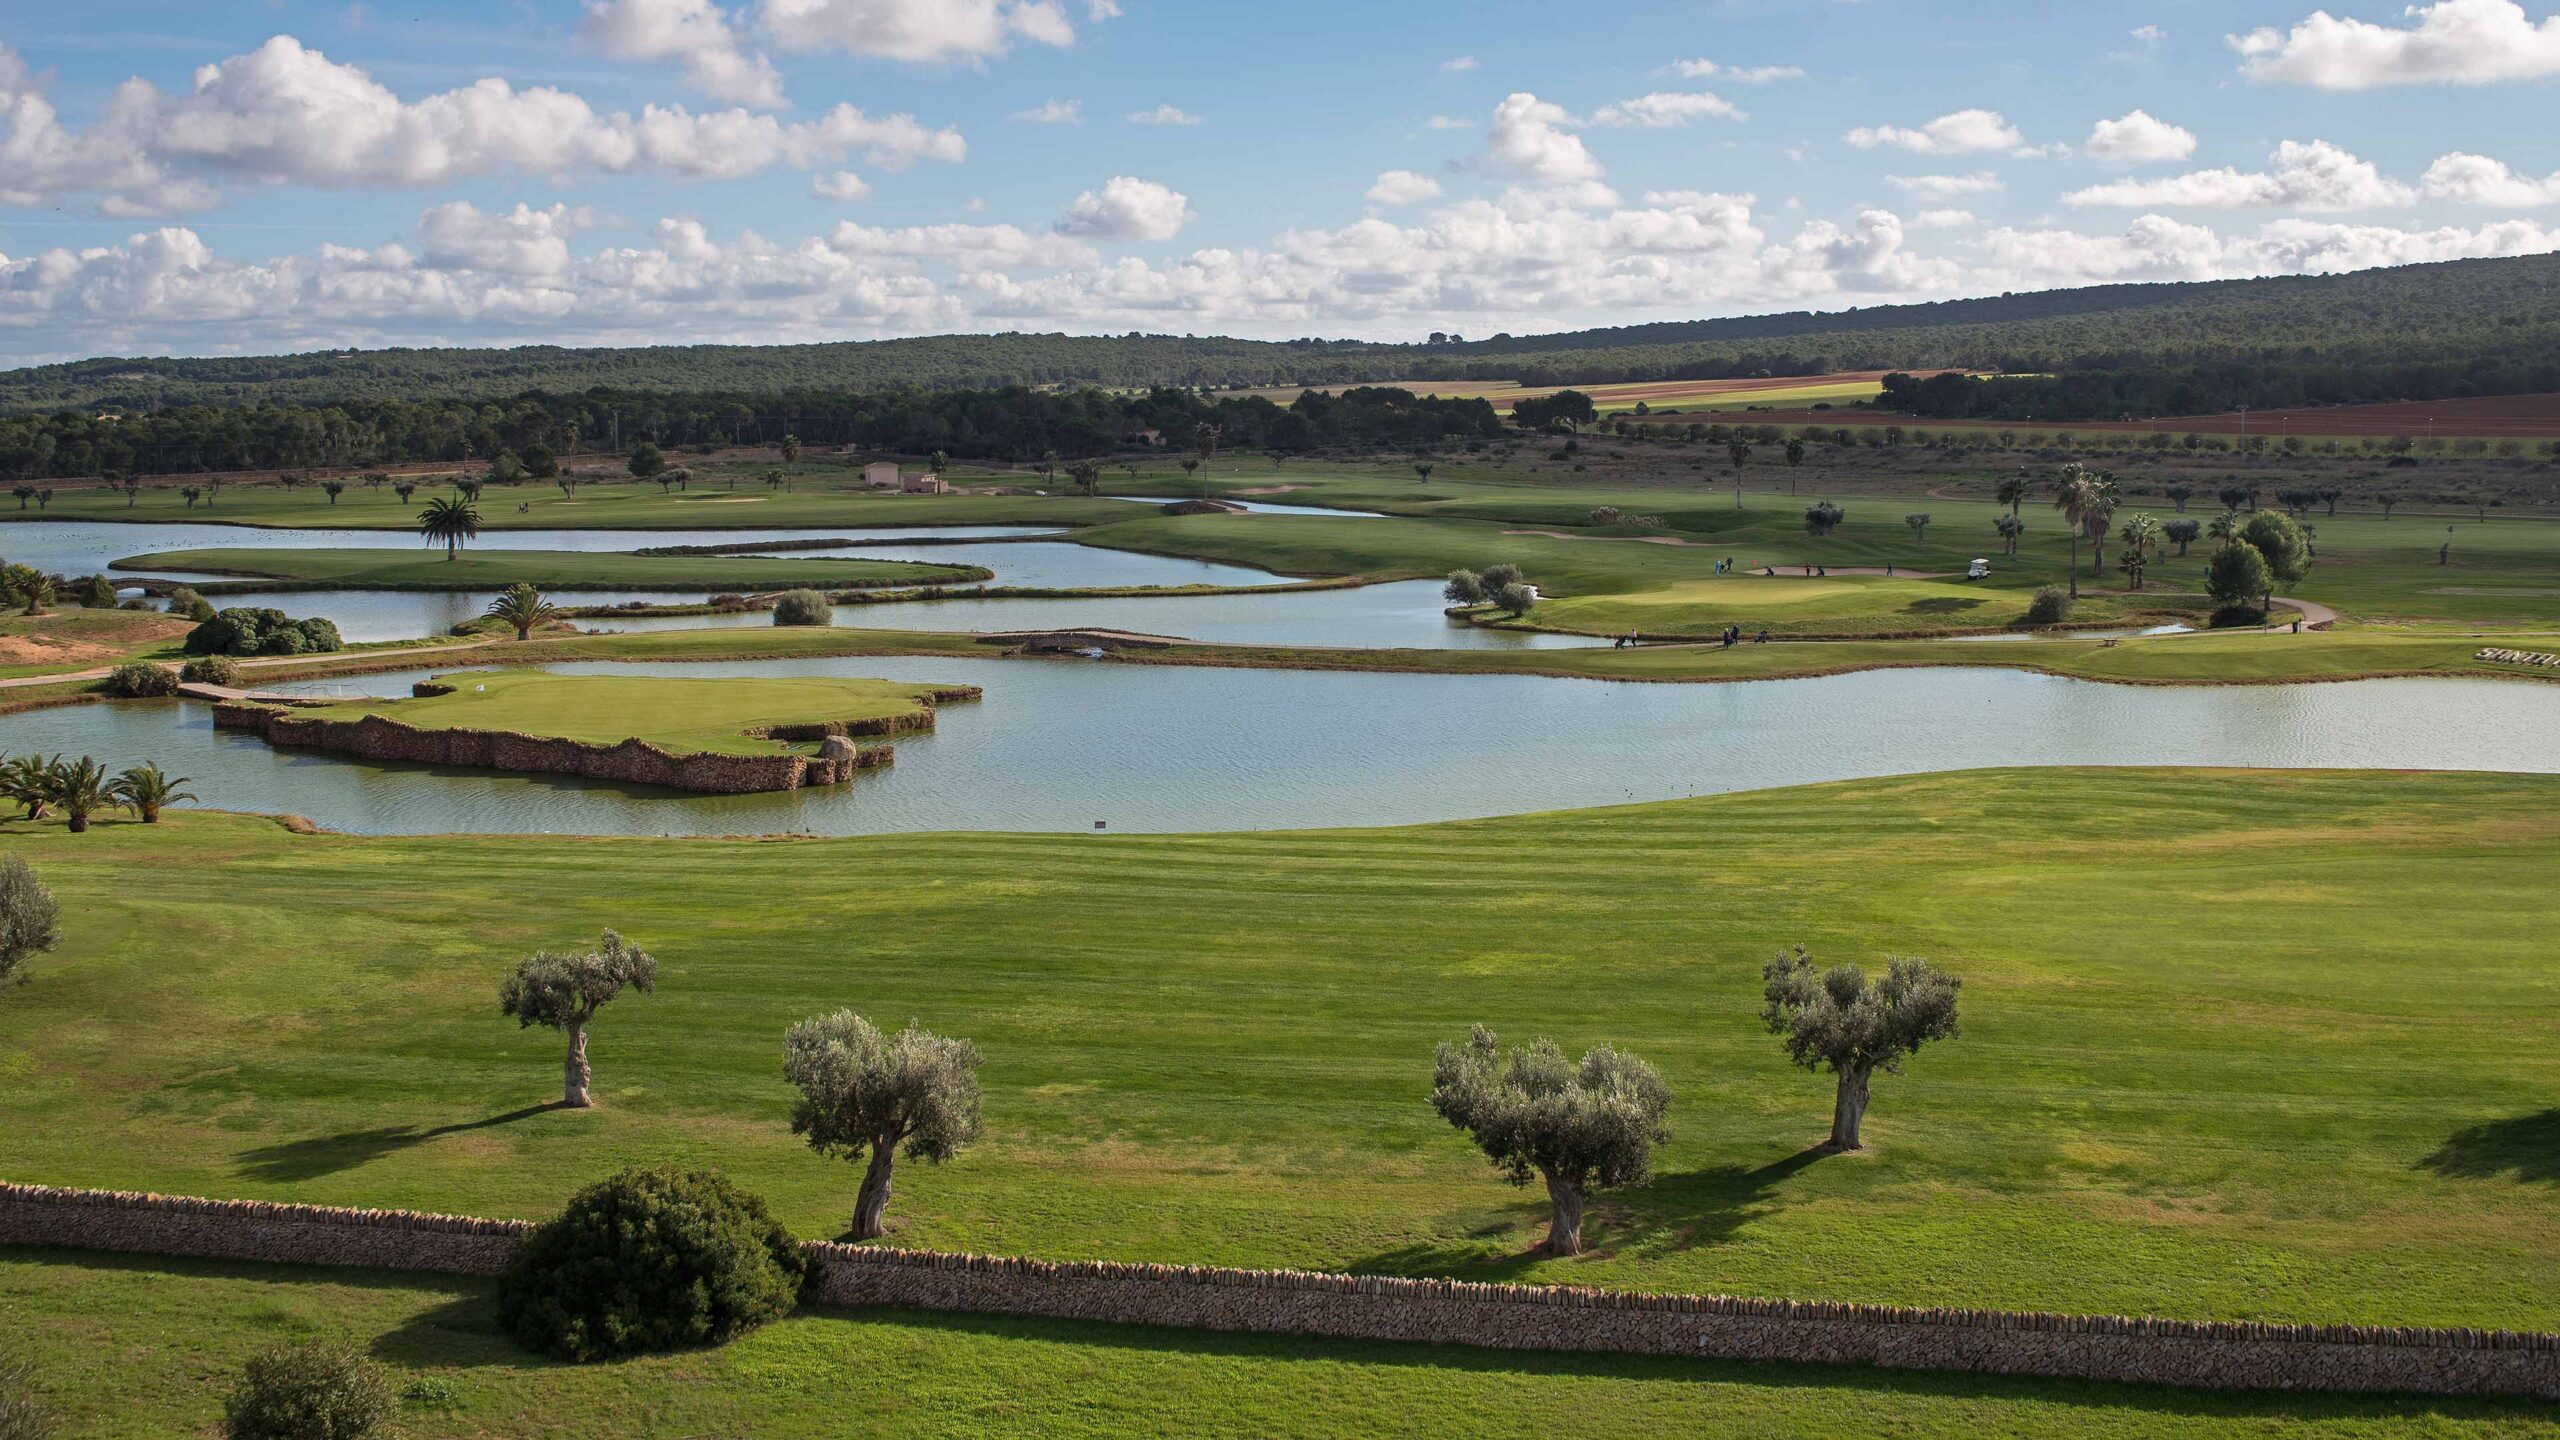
881,475
926,483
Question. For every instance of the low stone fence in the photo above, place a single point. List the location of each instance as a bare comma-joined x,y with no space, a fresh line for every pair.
2521,657
255,1230
2205,1354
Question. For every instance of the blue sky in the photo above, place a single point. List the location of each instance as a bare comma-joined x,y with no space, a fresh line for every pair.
224,177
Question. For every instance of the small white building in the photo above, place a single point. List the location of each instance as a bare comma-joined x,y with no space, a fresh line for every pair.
881,475
926,483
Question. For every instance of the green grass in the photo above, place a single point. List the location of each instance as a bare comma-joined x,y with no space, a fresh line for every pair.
142,1348
675,713
2236,1044
360,569
1840,604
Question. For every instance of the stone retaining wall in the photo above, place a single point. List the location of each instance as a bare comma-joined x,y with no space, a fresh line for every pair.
2216,1355
637,762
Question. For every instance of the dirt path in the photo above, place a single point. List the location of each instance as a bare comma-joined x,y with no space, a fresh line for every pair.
259,663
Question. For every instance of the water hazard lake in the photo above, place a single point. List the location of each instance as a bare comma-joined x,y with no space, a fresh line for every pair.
1058,745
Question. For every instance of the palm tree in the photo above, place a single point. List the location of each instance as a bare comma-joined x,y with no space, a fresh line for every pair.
147,789
523,607
1424,471
454,522
2075,494
81,788
2010,528
27,780
2013,491
2141,536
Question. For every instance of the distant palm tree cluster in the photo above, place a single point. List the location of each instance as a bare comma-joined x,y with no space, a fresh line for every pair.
81,788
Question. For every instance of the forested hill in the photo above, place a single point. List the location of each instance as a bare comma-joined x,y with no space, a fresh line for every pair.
2377,331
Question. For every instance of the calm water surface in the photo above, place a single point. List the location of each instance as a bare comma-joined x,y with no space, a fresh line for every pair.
1057,745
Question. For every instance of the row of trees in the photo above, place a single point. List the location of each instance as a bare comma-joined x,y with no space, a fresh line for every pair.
81,789
871,1097
1501,586
528,435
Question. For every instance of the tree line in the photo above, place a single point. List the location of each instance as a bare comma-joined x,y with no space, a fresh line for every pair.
537,429
2440,318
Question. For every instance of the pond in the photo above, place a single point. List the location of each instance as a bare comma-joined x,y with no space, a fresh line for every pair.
1058,745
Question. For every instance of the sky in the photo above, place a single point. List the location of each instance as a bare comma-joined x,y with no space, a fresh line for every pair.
211,177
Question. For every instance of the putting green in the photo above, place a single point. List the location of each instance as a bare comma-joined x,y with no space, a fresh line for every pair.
672,712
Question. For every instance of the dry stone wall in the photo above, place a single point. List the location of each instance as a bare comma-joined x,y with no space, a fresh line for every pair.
2216,1355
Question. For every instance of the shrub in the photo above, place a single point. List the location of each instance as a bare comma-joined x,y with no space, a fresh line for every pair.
211,670
309,1392
253,630
802,607
21,1418
183,601
98,593
650,1260
2051,606
142,680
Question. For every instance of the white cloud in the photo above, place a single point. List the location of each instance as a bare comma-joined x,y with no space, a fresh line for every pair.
2155,247
2479,180
1403,187
843,185
1163,115
286,114
1958,133
1127,208
1524,259
1943,219
694,31
1528,141
2137,137
2148,34
1458,64
1666,109
2457,42
1449,122
1945,187
524,241
1738,74
2317,176
1053,112
922,30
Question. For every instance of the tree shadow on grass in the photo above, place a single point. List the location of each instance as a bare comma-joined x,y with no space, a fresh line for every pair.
2235,1407
2524,1146
320,1155
1671,1212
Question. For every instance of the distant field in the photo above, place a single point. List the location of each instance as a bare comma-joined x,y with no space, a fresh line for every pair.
2518,417
1683,395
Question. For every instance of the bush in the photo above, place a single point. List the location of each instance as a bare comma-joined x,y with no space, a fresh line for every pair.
650,1260
142,680
309,1392
2051,606
21,1418
802,607
211,670
98,593
183,601
252,630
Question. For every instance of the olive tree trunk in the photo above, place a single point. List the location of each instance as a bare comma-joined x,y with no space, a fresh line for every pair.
871,1203
1564,1222
573,1089
1848,1108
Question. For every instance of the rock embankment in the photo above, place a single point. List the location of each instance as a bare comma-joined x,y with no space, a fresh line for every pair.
632,762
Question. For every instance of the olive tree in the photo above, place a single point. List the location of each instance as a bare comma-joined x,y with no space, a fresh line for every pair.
28,918
1837,1018
1465,587
863,1093
1579,1128
563,991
